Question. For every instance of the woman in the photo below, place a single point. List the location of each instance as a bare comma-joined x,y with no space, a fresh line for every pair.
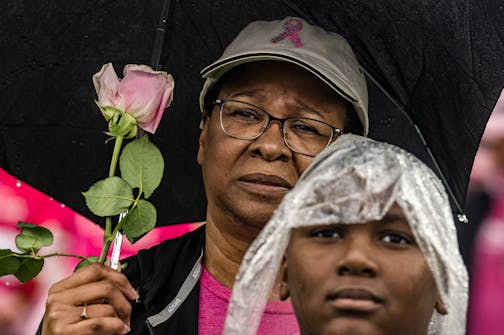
370,245
268,108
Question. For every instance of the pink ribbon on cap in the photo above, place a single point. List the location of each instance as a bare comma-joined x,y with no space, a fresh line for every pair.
291,29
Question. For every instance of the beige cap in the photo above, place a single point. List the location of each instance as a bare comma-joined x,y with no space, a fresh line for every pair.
326,54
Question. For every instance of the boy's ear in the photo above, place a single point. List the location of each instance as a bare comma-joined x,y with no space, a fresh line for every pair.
441,308
284,286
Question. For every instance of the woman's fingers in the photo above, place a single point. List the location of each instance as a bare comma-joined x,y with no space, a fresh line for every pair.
94,300
96,272
103,325
93,294
87,312
106,291
94,326
93,273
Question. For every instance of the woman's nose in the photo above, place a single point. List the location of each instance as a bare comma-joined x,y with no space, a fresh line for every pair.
271,145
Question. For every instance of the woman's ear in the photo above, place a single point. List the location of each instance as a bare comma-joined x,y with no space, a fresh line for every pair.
202,138
284,283
440,307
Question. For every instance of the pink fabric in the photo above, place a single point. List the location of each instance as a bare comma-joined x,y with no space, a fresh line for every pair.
487,288
278,318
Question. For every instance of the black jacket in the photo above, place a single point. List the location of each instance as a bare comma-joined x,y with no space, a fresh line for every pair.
158,273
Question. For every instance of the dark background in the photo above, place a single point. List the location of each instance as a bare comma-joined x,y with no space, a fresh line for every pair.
442,62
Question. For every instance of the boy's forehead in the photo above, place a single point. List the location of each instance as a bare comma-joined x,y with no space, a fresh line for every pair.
394,216
395,213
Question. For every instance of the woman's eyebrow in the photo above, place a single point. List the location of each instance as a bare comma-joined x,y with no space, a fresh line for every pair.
307,109
247,93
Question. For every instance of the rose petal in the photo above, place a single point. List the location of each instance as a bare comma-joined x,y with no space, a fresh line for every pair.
166,100
142,93
145,94
106,85
142,68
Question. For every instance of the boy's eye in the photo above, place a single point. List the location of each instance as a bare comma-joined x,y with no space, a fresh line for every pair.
396,238
326,233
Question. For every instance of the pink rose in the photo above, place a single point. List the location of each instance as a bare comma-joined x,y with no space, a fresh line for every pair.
143,93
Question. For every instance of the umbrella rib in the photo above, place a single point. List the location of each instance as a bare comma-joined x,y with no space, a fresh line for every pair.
461,216
387,94
159,37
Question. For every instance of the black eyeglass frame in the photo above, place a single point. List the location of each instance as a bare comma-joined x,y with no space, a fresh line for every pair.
220,102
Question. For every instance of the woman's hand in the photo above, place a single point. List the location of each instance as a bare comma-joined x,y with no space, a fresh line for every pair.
93,300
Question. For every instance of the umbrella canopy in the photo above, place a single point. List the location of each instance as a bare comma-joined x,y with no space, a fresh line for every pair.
433,66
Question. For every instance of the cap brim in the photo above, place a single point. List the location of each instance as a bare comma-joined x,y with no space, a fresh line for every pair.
219,68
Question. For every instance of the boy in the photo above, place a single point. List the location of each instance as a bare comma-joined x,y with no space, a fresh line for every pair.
370,248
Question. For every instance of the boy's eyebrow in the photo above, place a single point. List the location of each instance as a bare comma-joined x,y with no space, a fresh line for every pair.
393,218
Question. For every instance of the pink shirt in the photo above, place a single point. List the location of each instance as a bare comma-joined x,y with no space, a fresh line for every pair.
278,318
486,304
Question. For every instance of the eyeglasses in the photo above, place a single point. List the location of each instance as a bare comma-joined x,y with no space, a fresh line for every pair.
245,121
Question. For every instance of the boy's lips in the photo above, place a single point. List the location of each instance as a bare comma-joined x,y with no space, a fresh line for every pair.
355,299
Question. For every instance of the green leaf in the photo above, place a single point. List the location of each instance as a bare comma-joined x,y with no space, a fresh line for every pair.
109,196
142,165
9,263
139,221
86,262
33,237
28,269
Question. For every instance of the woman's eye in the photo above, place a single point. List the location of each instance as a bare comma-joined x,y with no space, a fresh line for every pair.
326,233
245,114
396,239
302,127
305,128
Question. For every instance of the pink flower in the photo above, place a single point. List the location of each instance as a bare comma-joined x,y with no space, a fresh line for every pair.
143,93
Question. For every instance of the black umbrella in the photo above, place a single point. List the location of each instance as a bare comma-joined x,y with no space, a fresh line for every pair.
433,66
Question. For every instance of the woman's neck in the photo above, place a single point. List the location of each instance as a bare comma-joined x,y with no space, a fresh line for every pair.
227,239
224,252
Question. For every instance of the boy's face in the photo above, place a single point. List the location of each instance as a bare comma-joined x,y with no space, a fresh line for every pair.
355,279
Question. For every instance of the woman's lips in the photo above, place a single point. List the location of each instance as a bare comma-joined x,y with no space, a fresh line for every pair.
264,180
356,300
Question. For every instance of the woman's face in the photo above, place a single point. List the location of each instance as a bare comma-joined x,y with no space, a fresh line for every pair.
247,179
355,279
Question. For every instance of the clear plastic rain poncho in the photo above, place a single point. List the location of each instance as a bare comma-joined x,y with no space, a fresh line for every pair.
357,180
